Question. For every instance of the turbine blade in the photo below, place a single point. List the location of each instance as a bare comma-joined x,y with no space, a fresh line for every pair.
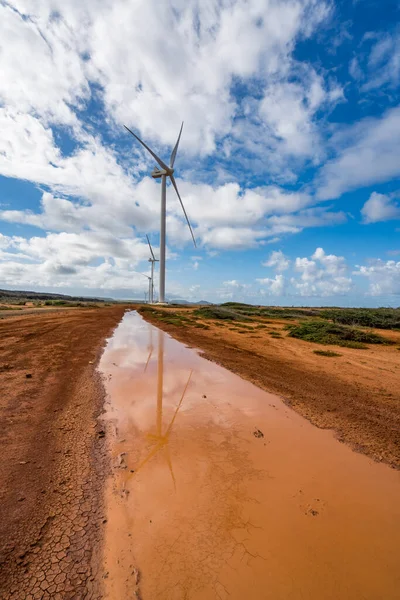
156,158
139,273
183,208
151,249
148,359
175,150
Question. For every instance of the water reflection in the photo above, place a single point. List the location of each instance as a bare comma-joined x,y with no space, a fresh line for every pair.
159,440
249,517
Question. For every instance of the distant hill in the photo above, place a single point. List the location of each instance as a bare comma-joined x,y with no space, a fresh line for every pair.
28,295
181,301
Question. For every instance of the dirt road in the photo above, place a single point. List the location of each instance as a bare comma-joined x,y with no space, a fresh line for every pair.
52,453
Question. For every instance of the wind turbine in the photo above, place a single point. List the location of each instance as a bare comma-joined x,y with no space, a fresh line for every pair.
150,284
152,260
163,173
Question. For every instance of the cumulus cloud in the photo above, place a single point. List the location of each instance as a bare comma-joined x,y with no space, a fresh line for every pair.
274,286
321,275
380,207
383,276
277,260
88,260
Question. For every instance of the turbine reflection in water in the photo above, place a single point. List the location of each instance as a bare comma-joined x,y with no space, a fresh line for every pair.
160,440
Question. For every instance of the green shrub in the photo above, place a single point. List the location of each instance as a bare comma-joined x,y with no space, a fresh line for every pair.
326,353
380,318
324,332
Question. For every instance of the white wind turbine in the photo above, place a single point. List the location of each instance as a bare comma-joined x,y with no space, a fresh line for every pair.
163,173
152,260
150,284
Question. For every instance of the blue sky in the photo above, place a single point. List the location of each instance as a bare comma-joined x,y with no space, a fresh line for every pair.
289,163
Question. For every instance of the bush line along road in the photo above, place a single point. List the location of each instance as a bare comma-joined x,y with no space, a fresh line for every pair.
53,465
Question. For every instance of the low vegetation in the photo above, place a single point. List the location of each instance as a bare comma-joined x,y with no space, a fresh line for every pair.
165,316
249,310
325,332
326,353
379,318
219,312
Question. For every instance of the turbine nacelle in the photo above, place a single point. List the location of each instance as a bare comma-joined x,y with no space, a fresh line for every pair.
157,173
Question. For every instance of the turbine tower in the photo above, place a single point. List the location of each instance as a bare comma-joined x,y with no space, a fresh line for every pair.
152,260
150,284
163,173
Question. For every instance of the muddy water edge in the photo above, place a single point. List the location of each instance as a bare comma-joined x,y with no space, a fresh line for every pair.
219,490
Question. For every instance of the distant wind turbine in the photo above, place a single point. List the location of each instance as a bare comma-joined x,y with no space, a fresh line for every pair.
163,173
152,260
150,284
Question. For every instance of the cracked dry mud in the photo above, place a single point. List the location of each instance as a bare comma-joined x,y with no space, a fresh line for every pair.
52,463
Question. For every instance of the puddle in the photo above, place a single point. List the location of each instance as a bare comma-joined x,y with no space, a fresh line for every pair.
220,491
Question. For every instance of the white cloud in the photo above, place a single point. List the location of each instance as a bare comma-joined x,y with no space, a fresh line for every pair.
88,260
289,108
321,275
108,55
383,66
368,152
383,277
42,70
232,238
146,79
354,69
233,283
277,260
379,207
221,42
228,204
275,286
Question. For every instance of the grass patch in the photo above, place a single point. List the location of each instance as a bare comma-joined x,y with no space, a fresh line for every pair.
219,312
274,334
326,353
171,318
324,332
